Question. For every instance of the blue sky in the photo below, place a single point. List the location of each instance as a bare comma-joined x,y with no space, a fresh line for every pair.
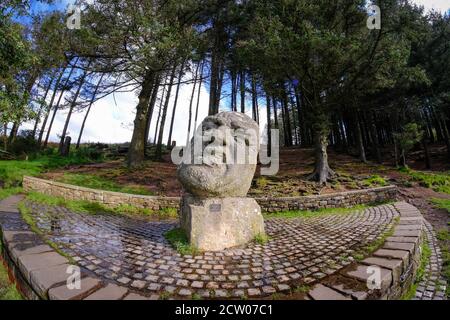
111,118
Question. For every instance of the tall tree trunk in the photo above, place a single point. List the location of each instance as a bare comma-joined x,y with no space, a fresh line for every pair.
57,105
69,114
233,90
214,83
151,108
41,107
136,153
158,153
159,114
219,89
286,120
88,111
359,138
375,138
190,105
275,113
269,133
242,90
446,137
33,76
49,108
13,132
180,76
322,171
427,153
198,96
254,99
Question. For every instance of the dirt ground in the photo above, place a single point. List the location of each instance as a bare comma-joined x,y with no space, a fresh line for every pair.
295,165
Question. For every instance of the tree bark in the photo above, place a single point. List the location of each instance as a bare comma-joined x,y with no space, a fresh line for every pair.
269,133
136,153
242,90
180,76
57,105
190,105
233,91
88,111
198,96
427,154
49,108
38,117
159,114
69,114
359,138
322,171
275,113
214,83
158,153
151,108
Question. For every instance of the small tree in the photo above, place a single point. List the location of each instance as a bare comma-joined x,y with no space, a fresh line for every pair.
410,135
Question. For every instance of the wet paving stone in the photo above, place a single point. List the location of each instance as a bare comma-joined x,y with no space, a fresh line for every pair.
134,253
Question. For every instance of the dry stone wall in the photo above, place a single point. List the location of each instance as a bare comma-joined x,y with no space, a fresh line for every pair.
115,199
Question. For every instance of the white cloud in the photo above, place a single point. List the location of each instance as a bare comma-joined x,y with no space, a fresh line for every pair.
111,118
439,5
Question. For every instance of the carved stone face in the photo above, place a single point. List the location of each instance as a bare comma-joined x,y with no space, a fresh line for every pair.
223,155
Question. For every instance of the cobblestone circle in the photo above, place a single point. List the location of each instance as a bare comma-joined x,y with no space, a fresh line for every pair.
134,253
433,284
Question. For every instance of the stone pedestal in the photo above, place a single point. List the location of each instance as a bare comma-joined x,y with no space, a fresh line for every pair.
215,224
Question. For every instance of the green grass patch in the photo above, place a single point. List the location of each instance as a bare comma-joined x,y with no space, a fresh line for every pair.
302,289
314,213
424,260
13,171
5,193
179,241
88,207
444,237
101,183
375,181
261,238
373,246
442,203
439,182
8,290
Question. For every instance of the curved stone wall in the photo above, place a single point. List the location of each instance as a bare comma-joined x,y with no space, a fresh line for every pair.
114,199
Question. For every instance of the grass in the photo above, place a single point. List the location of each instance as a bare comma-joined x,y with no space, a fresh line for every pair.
444,236
314,213
424,260
8,290
102,183
261,238
12,171
373,246
5,193
375,181
88,207
439,182
179,241
302,289
442,203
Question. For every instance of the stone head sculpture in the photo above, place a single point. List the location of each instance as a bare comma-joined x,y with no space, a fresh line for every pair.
222,157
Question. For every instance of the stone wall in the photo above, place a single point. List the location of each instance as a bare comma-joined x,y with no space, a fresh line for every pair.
114,199
333,200
108,198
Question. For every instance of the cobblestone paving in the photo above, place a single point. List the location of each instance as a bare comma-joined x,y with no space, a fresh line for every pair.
433,284
134,253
